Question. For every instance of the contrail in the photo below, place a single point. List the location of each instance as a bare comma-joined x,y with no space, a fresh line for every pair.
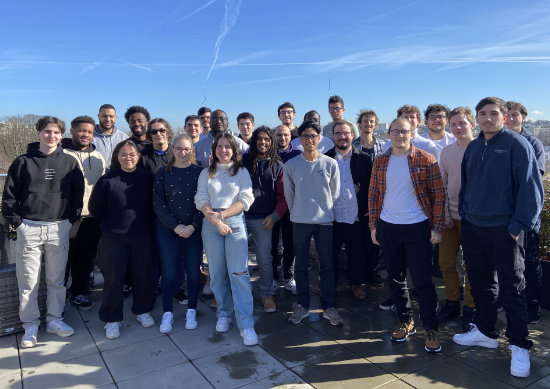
197,10
137,66
232,8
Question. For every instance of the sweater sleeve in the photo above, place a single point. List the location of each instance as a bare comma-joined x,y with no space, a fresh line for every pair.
202,197
280,206
445,180
77,193
159,202
246,195
288,184
11,209
98,199
334,184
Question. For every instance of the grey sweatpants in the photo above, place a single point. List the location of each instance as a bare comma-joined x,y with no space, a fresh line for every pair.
33,240
262,248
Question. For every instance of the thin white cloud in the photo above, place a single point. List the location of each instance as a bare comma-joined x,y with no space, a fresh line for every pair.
136,66
386,14
257,81
232,9
24,91
197,10
537,112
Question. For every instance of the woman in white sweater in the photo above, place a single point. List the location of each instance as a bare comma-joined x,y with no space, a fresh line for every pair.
224,192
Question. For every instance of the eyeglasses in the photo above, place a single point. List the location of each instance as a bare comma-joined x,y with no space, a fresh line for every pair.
155,132
308,137
182,150
131,156
399,132
342,134
286,112
223,120
337,109
436,117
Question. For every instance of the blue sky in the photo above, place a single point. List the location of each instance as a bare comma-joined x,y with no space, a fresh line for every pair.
68,58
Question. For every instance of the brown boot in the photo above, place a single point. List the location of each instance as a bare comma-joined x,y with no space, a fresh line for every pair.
358,292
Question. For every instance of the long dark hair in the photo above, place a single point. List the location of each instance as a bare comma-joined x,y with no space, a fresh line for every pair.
114,159
271,151
192,158
236,157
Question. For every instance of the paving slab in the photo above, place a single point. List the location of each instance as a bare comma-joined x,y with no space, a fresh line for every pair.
142,358
371,311
52,348
184,375
84,372
266,324
541,339
451,374
342,369
399,359
11,381
298,345
541,384
496,363
91,316
397,384
356,328
283,380
238,366
8,340
205,340
131,331
315,308
9,360
204,315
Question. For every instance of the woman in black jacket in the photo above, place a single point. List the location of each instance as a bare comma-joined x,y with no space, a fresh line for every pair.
122,200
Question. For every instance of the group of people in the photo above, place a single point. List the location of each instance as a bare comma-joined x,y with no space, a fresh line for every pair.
144,208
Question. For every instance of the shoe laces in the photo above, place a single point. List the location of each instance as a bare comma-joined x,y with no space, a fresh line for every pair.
331,312
190,315
402,327
223,320
431,336
60,323
521,354
112,326
167,316
31,331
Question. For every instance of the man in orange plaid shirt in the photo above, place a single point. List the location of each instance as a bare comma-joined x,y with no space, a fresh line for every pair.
406,217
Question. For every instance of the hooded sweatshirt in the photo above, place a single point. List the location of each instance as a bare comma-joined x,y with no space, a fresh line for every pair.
500,183
203,148
43,187
91,163
106,143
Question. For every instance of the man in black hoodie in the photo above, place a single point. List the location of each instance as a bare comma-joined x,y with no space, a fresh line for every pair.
43,197
85,233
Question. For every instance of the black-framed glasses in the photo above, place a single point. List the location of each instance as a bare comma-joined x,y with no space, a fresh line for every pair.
436,117
155,132
223,120
290,112
339,134
308,137
399,132
335,109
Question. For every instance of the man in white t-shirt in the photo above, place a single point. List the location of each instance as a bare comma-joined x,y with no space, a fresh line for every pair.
437,116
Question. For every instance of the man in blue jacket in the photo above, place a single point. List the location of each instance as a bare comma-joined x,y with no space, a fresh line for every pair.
500,199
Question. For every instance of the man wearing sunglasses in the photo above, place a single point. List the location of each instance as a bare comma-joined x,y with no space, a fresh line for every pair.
218,125
336,110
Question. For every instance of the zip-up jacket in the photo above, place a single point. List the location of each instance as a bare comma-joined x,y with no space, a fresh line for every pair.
500,183
106,143
203,148
153,161
43,187
268,190
91,163
361,168
289,153
426,179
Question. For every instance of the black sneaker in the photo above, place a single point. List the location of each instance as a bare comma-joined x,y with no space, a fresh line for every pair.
181,297
450,310
127,291
467,318
81,302
387,305
533,312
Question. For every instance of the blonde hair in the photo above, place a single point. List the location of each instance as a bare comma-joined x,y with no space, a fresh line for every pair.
192,158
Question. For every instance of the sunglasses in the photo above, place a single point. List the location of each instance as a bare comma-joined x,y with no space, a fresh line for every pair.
155,132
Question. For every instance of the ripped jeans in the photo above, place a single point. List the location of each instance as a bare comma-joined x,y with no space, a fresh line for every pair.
228,267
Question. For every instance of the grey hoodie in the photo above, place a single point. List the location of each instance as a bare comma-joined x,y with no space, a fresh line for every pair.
106,143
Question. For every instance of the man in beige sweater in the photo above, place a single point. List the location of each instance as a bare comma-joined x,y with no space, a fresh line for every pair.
461,121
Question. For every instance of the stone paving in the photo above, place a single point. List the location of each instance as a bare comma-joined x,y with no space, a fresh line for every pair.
358,354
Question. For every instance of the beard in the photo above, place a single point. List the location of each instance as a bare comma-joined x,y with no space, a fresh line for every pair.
138,132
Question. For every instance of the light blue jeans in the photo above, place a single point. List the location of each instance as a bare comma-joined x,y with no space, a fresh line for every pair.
228,256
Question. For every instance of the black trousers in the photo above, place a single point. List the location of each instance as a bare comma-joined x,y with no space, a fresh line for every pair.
495,269
533,268
408,245
83,241
283,226
353,236
116,254
372,254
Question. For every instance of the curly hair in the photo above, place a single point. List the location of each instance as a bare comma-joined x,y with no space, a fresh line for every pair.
192,158
82,120
436,108
409,108
136,109
272,153
368,113
235,158
169,132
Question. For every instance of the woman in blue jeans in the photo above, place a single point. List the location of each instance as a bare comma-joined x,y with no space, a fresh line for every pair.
224,191
178,228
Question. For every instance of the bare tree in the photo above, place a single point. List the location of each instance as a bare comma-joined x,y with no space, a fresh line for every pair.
16,132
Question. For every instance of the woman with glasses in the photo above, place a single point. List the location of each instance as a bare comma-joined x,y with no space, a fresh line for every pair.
123,201
178,228
224,192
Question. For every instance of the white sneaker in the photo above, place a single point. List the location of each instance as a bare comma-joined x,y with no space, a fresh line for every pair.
249,337
520,366
166,325
146,320
290,284
112,330
29,339
207,290
190,318
475,338
59,328
223,324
